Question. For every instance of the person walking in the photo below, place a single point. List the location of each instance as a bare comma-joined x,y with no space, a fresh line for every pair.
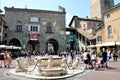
85,58
93,60
114,53
5,58
108,54
9,59
89,59
104,58
1,59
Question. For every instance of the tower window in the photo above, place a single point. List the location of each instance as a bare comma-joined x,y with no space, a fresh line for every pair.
107,3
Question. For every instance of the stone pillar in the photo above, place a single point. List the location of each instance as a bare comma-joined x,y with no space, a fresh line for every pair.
43,46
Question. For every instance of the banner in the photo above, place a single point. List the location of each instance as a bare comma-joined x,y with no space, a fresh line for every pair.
34,36
71,37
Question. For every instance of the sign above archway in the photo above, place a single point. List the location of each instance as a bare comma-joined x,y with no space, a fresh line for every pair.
34,36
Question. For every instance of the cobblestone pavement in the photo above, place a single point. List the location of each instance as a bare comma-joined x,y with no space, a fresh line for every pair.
111,73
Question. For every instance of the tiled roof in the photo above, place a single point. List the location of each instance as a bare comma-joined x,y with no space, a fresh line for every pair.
84,19
86,34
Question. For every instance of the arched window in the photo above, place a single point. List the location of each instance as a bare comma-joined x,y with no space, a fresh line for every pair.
109,31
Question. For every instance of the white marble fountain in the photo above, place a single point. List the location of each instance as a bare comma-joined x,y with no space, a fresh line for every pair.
48,67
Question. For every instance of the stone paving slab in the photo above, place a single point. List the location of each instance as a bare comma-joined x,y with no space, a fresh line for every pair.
111,73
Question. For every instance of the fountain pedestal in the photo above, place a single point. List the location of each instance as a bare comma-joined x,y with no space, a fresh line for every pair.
53,72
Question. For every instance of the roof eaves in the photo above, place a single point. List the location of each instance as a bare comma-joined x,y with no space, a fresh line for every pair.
72,20
112,8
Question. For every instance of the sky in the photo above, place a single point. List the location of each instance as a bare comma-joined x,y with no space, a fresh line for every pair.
79,8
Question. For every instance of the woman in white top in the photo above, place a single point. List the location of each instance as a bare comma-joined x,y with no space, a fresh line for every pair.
108,54
85,58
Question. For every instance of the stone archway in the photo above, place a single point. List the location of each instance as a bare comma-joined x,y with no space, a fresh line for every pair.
52,46
14,42
33,45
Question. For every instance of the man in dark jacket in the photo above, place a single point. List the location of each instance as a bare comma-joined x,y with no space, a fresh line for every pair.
114,52
104,57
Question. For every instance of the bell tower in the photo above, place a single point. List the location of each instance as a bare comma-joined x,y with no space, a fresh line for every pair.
98,7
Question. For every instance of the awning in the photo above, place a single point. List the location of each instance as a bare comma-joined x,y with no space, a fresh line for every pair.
98,45
112,43
13,47
91,46
10,47
117,42
3,46
108,43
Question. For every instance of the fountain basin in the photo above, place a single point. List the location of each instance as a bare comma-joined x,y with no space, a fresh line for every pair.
56,60
53,72
33,75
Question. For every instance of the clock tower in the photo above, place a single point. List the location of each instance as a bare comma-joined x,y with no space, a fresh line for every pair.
98,7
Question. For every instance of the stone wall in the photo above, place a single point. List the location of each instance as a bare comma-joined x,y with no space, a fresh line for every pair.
16,16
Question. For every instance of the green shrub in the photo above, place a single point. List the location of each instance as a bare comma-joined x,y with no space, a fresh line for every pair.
16,54
99,54
118,52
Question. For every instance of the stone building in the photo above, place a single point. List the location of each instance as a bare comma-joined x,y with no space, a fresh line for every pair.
98,7
36,29
84,30
102,30
3,28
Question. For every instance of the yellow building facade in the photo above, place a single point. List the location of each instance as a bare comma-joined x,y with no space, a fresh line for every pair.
109,34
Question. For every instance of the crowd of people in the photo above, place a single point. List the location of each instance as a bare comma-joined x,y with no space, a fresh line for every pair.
90,57
93,61
5,59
